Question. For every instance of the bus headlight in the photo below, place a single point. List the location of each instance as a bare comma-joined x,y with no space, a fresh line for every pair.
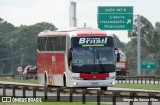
113,77
75,84
77,78
113,83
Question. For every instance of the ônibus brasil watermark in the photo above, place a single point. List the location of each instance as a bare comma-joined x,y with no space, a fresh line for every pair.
13,99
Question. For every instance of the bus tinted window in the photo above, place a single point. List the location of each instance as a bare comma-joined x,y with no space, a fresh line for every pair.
63,43
56,43
41,43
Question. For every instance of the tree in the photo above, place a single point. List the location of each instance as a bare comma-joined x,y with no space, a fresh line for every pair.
26,42
6,30
155,46
118,43
147,31
18,45
149,41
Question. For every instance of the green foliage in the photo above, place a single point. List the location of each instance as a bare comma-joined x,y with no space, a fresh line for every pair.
5,27
118,43
150,42
18,45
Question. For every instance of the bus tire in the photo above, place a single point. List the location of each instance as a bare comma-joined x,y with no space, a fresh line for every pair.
64,81
104,88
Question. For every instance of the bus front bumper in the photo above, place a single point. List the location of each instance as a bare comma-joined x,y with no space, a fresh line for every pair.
93,83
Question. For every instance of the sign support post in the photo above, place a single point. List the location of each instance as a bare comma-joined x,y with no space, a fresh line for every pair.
138,47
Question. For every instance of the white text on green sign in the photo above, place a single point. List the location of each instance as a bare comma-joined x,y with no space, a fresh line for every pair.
115,18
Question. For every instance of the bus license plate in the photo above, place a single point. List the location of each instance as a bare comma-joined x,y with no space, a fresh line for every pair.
94,83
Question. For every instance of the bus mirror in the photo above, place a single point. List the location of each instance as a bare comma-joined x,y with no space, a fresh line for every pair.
69,56
118,57
116,49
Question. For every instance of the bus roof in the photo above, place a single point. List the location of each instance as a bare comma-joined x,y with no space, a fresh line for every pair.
74,32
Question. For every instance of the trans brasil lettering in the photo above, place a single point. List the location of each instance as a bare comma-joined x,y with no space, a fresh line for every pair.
92,41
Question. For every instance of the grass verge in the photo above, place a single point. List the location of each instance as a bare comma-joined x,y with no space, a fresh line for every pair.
22,81
138,86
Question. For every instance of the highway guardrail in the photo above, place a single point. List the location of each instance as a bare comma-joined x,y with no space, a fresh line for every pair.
83,95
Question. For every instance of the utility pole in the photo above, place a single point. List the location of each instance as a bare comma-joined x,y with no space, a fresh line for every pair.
72,14
138,46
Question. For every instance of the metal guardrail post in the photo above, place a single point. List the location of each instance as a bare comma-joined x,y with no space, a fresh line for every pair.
24,91
129,79
149,80
71,95
114,98
145,80
133,79
34,92
137,80
83,96
45,92
121,79
118,79
154,80
4,90
150,95
58,94
158,80
13,91
141,80
131,97
98,97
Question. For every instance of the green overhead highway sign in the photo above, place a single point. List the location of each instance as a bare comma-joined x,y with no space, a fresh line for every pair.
148,65
115,9
115,17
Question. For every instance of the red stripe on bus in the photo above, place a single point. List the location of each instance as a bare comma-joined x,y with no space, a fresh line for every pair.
94,76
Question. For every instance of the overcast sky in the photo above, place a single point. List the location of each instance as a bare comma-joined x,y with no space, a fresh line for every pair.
28,12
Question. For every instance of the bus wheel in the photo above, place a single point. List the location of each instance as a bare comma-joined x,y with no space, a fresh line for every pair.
64,81
104,88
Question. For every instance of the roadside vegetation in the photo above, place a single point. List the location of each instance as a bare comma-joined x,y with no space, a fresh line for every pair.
138,86
31,81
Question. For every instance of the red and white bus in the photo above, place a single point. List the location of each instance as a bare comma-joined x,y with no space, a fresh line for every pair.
76,58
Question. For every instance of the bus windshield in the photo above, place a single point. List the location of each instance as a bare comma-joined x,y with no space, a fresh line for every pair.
93,59
93,54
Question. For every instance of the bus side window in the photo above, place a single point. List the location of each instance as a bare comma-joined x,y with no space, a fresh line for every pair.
62,43
55,43
41,43
50,44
